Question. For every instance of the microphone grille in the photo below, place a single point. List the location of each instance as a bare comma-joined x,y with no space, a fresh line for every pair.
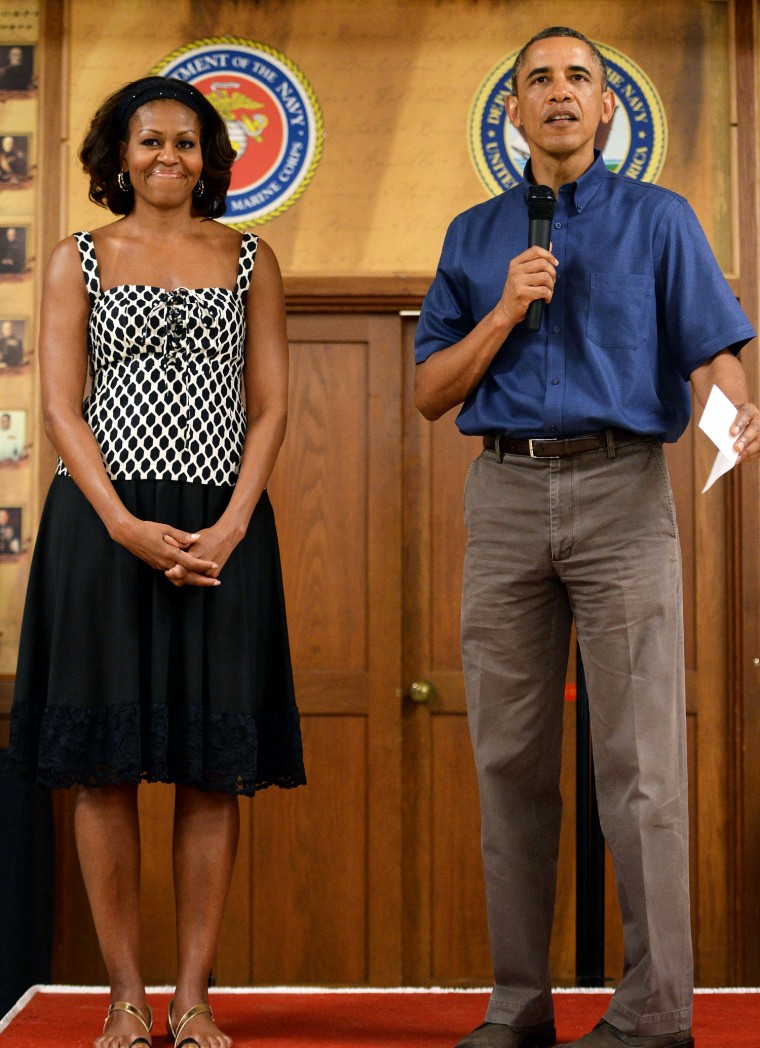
541,202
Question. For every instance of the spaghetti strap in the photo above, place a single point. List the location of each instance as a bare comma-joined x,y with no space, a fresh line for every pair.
245,266
89,264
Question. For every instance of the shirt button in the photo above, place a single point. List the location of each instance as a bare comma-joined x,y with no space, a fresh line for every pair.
552,429
580,207
556,330
558,225
555,381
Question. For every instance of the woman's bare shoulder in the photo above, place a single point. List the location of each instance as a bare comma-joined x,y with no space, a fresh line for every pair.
64,258
265,257
63,275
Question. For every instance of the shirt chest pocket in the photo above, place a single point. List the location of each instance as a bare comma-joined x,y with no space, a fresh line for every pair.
620,309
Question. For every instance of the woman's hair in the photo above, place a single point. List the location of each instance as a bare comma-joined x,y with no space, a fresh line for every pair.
100,152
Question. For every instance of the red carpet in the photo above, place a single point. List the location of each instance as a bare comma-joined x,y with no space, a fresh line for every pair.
354,1020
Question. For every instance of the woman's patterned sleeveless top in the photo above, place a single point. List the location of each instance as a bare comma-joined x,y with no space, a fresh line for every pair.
166,368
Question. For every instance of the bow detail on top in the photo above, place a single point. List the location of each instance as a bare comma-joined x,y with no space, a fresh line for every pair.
176,323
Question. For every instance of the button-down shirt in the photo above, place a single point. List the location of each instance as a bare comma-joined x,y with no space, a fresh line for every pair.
639,303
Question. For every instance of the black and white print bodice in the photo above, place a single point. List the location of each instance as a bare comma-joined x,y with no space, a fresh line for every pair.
166,369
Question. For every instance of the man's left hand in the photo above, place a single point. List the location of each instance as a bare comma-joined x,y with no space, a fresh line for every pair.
746,428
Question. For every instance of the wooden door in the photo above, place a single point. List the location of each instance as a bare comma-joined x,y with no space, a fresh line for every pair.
445,935
445,939
317,890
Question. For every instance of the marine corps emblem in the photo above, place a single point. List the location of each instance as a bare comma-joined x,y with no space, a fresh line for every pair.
272,115
634,143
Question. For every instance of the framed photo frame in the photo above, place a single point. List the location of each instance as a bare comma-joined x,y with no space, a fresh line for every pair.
17,68
11,541
14,343
14,244
15,159
13,436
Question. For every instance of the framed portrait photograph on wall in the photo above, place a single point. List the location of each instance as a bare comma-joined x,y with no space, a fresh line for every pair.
15,162
10,531
14,348
17,68
13,447
13,250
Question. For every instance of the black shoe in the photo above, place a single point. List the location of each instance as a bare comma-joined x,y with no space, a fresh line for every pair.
498,1035
605,1035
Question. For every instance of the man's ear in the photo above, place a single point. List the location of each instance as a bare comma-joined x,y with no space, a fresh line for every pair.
513,110
608,106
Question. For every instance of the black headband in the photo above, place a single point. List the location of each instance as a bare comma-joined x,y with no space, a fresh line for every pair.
156,87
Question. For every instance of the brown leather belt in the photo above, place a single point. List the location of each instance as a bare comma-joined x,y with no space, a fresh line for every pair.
561,447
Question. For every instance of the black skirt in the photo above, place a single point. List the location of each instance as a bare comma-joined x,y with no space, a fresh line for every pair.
124,677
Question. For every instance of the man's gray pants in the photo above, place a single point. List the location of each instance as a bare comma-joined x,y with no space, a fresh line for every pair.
591,539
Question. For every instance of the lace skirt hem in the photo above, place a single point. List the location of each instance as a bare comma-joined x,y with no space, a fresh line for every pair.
111,746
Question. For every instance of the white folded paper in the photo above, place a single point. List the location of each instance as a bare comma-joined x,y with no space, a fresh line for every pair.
716,422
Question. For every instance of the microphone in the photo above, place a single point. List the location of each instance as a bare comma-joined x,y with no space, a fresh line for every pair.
541,205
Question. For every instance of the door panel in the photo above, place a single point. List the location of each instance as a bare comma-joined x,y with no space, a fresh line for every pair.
310,865
319,489
325,877
457,875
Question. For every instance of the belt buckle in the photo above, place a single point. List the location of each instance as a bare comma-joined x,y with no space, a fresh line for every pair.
542,440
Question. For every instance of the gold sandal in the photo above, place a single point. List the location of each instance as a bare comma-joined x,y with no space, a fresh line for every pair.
175,1031
125,1006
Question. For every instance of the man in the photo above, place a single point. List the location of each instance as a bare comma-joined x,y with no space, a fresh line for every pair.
570,516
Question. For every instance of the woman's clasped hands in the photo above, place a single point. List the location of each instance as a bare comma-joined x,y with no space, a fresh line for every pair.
186,558
202,558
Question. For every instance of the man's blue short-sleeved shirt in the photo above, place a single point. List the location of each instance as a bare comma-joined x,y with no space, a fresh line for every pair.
639,303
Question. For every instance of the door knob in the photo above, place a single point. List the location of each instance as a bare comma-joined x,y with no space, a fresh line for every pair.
422,691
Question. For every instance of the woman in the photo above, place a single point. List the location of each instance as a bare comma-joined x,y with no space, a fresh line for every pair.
154,644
